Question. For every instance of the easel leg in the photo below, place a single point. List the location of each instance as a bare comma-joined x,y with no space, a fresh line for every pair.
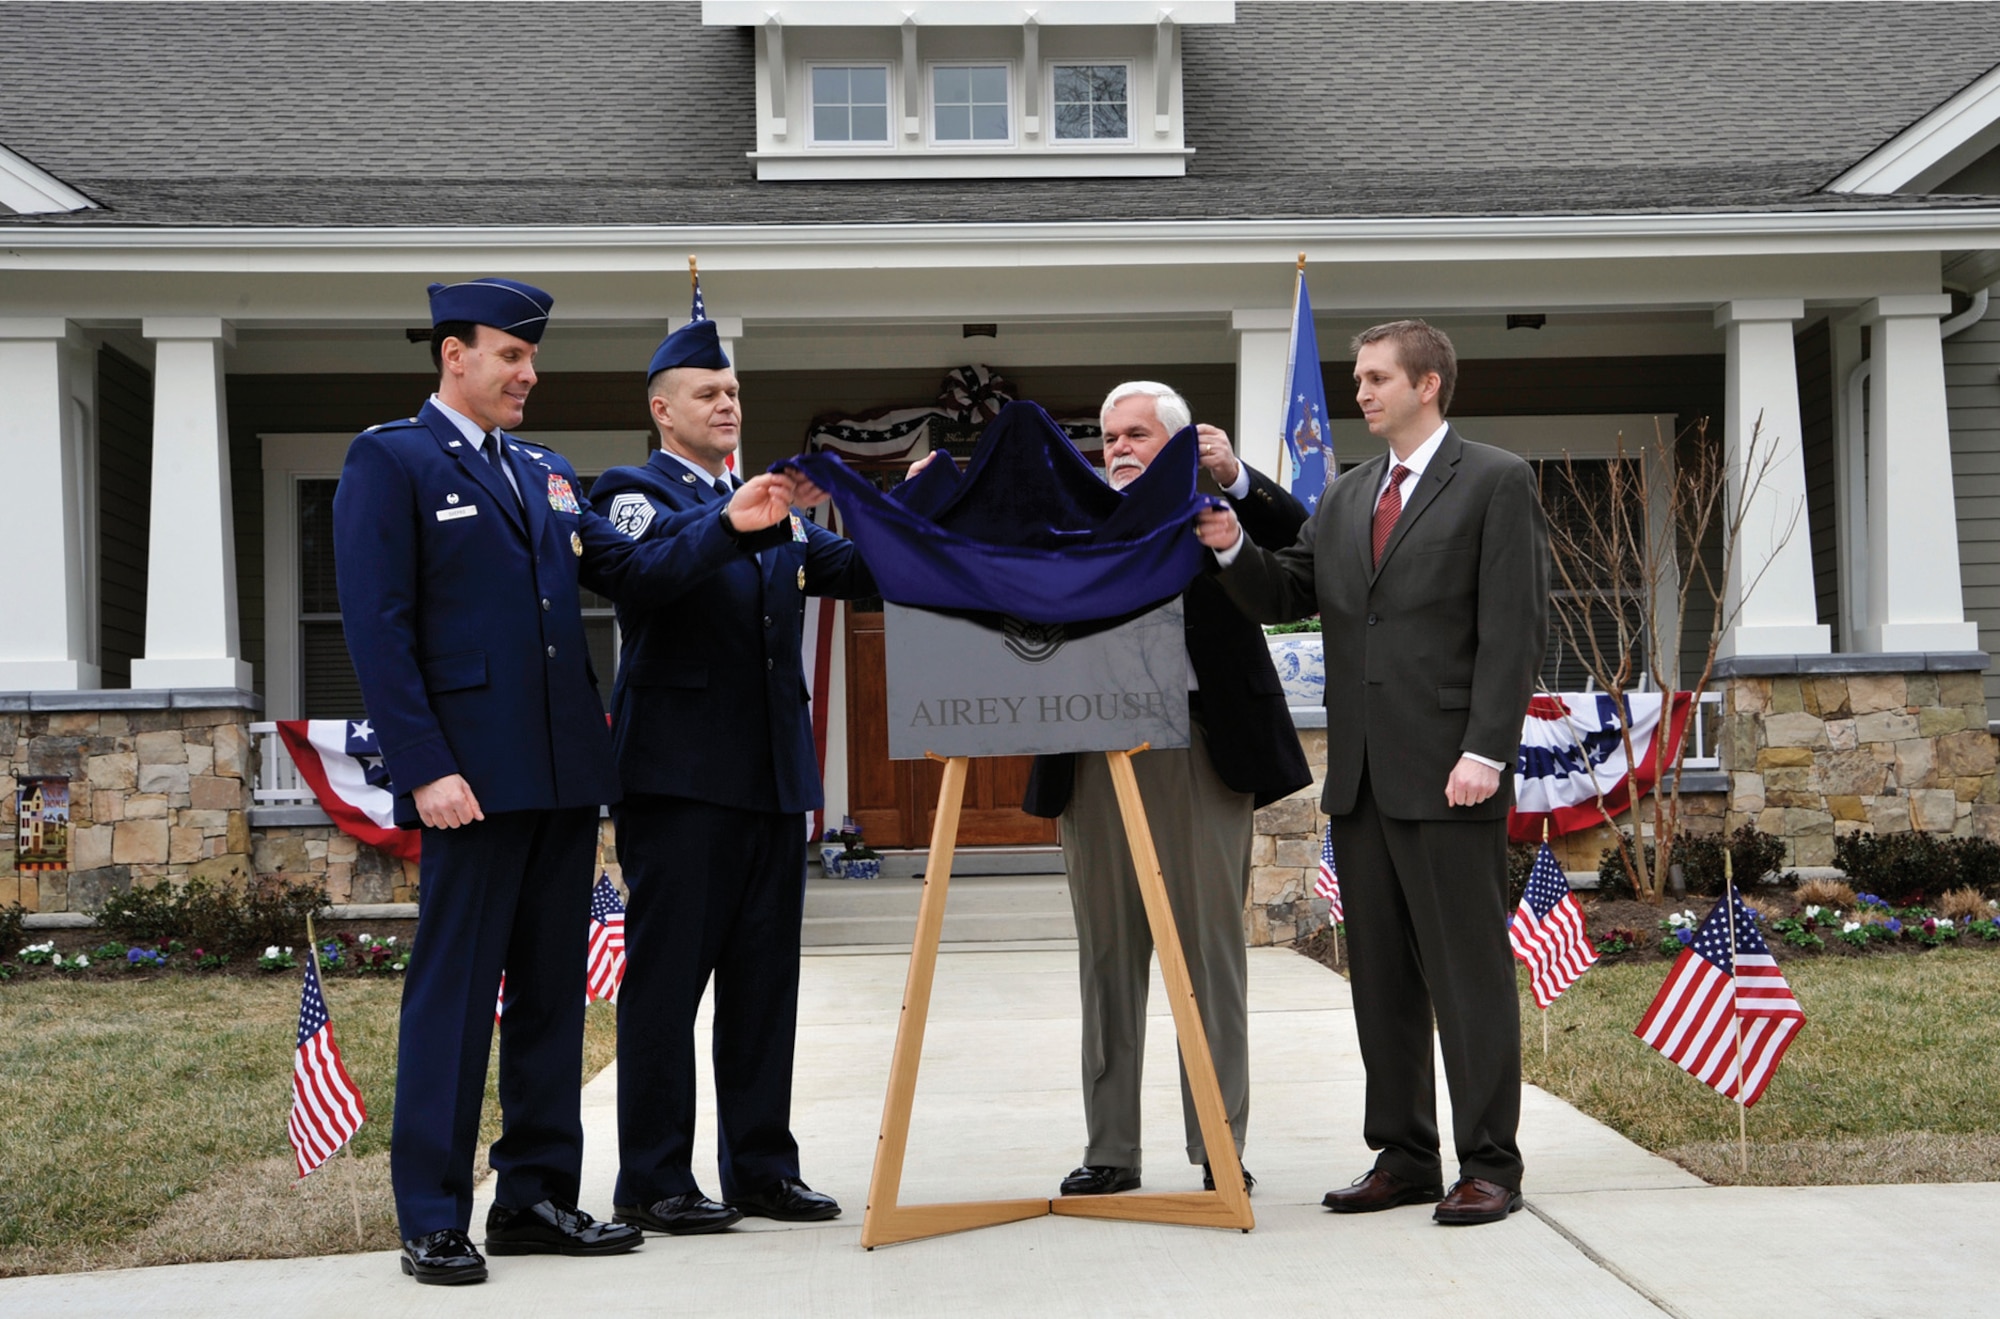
1228,1205
885,1221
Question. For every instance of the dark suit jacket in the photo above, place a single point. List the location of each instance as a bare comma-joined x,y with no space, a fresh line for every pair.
1251,740
461,613
1435,652
711,701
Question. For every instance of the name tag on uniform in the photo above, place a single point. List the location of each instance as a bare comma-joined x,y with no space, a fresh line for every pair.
447,514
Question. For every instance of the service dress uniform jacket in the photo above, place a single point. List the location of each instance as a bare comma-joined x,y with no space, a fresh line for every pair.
713,733
460,607
1430,653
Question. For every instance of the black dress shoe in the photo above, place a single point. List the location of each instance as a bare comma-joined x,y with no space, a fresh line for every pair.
443,1258
688,1214
788,1200
1208,1179
1100,1179
1376,1189
552,1228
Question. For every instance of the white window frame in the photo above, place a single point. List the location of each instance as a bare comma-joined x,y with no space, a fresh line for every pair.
884,143
1049,136
1013,72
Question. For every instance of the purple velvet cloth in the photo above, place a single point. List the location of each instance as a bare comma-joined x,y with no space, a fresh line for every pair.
1029,529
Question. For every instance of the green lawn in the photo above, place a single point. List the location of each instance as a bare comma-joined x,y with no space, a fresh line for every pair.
145,1123
1893,1078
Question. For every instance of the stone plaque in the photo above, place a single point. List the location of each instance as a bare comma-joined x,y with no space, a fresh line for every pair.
959,689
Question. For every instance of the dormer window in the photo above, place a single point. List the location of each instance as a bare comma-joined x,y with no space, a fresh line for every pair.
1091,102
944,89
850,104
970,103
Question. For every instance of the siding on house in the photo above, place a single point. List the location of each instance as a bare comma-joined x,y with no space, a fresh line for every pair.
1814,353
1972,393
124,511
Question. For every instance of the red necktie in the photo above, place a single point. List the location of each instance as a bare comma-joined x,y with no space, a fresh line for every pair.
1388,509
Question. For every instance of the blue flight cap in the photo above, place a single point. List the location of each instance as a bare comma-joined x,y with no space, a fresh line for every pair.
521,310
694,344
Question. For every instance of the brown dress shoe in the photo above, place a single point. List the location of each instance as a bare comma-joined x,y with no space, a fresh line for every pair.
1473,1200
1376,1189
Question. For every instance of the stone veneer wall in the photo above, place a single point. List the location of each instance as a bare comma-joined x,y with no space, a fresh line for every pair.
159,790
1284,859
1858,744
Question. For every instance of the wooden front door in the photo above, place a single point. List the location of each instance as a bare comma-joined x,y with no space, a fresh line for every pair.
895,801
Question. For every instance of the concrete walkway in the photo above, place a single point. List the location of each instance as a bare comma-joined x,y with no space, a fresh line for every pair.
1612,1230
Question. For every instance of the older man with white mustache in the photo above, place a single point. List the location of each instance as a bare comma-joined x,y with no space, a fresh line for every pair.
1199,800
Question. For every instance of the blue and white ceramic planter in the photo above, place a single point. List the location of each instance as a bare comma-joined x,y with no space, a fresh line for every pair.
1301,664
861,867
829,860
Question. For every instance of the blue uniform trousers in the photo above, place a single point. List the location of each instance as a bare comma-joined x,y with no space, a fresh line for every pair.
510,892
719,891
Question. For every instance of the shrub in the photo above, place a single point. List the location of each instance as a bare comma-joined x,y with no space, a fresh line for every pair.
1961,904
1909,867
1520,861
13,929
219,920
1753,855
1825,893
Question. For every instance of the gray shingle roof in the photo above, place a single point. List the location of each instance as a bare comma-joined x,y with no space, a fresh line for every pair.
600,112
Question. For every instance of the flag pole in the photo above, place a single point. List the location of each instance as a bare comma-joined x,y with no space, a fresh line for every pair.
346,1146
1735,1013
1551,1007
694,275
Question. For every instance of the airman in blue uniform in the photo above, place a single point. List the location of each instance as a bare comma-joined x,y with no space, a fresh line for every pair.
712,727
460,550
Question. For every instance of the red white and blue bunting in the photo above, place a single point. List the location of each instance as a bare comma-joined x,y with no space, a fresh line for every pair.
1573,752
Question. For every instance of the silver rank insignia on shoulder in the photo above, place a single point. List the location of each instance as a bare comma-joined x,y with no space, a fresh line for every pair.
454,444
576,544
802,577
688,477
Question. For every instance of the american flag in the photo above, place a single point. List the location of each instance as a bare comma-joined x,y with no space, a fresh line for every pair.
607,943
500,1000
326,1108
1694,1020
1547,931
1328,884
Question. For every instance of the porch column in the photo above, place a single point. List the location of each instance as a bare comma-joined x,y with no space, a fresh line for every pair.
1770,589
45,645
1263,337
191,621
1914,599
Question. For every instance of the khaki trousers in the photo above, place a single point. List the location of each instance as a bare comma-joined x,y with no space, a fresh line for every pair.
1201,830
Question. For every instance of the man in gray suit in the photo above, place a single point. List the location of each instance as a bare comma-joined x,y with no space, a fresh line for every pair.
1429,567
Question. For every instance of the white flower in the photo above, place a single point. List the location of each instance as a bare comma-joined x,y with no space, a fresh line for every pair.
272,951
1812,912
392,939
1944,923
1847,927
365,938
80,962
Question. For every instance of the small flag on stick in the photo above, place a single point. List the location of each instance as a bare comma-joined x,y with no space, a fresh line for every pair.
326,1108
1328,884
1725,1009
1547,931
607,943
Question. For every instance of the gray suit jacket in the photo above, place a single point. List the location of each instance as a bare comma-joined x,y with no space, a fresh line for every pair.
1433,653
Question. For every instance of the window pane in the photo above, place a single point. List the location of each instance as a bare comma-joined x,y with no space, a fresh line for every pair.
954,123
830,86
830,123
1072,83
316,583
870,86
1072,121
951,86
1109,121
1108,83
328,688
989,123
871,123
989,85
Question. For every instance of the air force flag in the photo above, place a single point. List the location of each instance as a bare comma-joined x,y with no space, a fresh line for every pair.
1308,442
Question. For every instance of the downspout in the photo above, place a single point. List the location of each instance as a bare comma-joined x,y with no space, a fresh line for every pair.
1855,417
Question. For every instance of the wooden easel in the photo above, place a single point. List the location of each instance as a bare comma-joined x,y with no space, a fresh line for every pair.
887,1222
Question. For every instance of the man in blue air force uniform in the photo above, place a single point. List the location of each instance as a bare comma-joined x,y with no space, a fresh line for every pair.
460,549
715,753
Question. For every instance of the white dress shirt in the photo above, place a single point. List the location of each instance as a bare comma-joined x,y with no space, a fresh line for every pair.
476,437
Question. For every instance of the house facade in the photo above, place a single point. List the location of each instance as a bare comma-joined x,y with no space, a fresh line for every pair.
217,222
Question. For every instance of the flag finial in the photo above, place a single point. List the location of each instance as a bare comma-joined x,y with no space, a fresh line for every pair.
1302,263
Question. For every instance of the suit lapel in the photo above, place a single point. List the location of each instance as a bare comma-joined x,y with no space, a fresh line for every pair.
477,470
1441,468
533,479
1360,487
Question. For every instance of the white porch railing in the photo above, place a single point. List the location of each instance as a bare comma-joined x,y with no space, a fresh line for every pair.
1697,748
278,781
